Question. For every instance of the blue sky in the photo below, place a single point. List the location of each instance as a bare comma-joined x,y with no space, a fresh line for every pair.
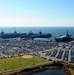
37,13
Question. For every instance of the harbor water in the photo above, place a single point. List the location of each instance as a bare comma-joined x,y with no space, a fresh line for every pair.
52,72
53,30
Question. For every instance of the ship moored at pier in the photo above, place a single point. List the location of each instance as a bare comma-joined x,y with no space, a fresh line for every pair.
64,38
29,35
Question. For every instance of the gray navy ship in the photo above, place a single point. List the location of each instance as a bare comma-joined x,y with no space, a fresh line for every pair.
29,35
64,38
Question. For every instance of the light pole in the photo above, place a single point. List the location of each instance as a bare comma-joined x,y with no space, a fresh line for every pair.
32,52
33,58
20,61
5,64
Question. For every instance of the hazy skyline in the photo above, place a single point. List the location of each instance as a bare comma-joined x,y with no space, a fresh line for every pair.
36,13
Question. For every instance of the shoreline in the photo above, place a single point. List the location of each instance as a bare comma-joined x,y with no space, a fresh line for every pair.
39,68
68,72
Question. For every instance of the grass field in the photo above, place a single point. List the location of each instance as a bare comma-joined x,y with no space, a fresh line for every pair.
19,62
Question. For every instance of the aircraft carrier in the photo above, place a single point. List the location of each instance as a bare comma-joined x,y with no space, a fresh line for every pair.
29,35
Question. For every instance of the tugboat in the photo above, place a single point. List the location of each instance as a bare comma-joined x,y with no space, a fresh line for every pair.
64,38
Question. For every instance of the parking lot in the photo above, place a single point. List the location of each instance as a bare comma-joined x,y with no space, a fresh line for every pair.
44,49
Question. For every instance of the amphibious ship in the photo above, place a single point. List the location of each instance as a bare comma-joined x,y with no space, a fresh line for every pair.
29,35
64,38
